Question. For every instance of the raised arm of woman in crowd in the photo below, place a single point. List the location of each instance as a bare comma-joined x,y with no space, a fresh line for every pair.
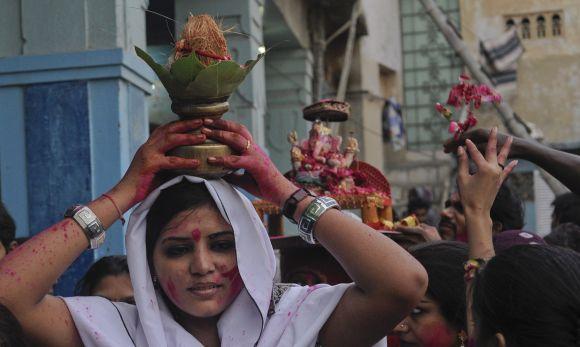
388,281
477,193
27,273
565,167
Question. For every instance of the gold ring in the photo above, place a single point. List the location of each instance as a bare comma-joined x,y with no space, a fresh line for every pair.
248,145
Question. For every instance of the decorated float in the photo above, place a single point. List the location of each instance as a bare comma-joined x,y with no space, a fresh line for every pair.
325,165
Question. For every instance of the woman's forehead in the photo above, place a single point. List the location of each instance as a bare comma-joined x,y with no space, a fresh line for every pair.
204,219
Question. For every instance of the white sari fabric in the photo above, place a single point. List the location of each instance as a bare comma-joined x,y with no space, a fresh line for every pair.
293,319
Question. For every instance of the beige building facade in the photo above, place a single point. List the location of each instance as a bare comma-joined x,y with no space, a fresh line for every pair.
548,75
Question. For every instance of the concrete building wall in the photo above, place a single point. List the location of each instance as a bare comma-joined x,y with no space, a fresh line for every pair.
31,27
548,86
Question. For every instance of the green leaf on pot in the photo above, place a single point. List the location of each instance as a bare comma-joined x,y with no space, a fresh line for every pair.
173,86
221,79
190,79
186,69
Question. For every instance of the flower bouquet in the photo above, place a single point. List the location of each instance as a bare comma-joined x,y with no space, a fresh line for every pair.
471,96
200,76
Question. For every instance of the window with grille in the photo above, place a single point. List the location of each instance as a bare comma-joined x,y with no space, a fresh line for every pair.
430,68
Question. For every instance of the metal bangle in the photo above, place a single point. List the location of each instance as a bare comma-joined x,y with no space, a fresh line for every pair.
312,214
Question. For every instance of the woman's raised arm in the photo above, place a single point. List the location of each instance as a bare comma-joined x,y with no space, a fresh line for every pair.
565,167
478,192
27,273
388,280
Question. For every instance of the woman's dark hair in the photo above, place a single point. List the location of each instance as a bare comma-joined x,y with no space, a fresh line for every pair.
11,334
565,235
443,261
113,265
567,208
507,209
530,294
7,228
171,201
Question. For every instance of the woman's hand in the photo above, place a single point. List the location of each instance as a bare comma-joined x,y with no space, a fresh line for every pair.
151,158
261,177
478,191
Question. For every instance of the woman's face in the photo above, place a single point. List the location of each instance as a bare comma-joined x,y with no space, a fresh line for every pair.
426,327
195,262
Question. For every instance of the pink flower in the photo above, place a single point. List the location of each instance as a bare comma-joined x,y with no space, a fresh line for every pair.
453,127
455,96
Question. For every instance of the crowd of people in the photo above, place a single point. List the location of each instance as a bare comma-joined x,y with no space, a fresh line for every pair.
200,267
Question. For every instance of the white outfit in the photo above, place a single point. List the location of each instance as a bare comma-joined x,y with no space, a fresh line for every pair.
298,315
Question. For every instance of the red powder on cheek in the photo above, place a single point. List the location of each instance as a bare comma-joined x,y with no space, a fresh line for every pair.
196,234
236,282
437,335
172,291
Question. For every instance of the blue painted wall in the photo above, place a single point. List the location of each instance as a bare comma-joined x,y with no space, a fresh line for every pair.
58,160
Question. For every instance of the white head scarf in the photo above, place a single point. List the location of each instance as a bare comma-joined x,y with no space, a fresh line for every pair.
298,317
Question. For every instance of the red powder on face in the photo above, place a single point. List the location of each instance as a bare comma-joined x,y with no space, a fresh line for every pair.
172,291
196,234
437,335
236,282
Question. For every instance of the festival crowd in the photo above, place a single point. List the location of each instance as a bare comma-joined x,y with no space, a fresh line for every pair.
200,267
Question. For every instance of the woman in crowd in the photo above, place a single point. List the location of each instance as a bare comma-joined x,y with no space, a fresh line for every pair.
202,265
528,294
439,319
108,277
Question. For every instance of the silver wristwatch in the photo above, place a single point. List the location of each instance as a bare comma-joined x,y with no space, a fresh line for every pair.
89,222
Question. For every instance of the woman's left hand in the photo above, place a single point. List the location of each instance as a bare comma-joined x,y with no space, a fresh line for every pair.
261,177
478,190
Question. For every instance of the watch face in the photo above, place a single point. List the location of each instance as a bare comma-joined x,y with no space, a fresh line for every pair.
86,217
93,228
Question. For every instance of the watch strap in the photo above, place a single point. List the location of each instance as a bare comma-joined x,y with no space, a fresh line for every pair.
292,203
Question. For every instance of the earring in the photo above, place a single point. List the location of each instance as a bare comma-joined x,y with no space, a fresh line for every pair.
155,282
462,338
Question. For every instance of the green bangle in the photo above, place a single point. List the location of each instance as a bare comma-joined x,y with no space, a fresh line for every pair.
312,214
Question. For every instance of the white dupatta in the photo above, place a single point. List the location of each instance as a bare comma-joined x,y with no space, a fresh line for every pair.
296,321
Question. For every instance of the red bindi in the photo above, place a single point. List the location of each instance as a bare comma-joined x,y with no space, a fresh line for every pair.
196,234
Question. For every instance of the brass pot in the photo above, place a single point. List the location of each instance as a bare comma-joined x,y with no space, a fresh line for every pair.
194,109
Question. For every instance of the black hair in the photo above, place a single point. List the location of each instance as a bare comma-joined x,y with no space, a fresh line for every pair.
529,293
417,203
7,228
565,235
171,201
113,265
507,209
567,208
443,261
11,333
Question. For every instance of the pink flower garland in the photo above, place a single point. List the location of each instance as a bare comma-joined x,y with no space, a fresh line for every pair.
470,95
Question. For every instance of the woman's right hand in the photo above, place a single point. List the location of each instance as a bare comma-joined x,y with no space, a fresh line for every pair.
151,158
261,177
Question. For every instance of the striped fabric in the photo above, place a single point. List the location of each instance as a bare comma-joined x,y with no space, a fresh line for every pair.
499,57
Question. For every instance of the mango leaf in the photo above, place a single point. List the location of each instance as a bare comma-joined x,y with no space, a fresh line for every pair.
173,86
185,69
190,79
221,79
